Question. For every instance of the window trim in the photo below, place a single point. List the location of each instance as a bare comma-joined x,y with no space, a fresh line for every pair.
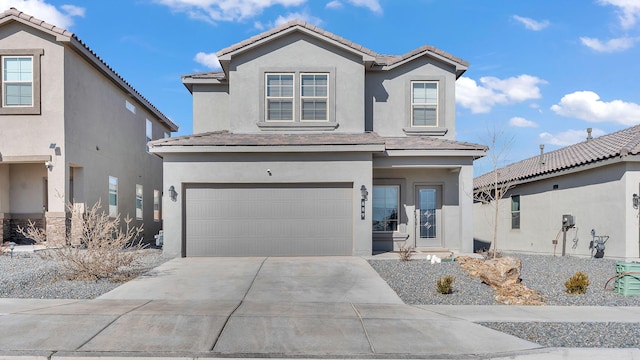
296,123
35,108
414,104
515,214
302,98
140,194
113,209
440,129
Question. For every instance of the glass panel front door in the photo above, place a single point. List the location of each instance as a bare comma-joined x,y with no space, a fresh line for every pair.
428,216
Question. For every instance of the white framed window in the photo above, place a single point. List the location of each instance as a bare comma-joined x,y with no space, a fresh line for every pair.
113,196
279,100
17,81
515,211
314,97
166,135
386,207
156,205
139,193
130,106
148,132
424,103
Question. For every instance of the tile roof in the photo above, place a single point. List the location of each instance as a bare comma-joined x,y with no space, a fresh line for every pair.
618,144
380,59
225,138
428,143
13,12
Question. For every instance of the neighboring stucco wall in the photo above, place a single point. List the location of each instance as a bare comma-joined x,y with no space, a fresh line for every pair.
252,168
104,138
296,52
457,213
210,108
388,96
599,199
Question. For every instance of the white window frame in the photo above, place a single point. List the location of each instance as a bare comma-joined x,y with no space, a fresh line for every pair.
35,107
436,105
148,132
267,97
308,97
113,191
129,106
139,202
6,82
156,205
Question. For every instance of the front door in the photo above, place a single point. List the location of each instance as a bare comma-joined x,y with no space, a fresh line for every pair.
428,216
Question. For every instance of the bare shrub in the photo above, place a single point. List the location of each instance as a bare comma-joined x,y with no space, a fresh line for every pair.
405,252
37,234
105,248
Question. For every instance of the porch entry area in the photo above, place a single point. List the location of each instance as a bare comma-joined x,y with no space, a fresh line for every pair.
23,198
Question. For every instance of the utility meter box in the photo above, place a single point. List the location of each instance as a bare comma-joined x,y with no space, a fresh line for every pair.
567,221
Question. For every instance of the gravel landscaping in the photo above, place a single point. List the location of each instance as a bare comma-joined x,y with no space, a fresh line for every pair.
27,275
415,282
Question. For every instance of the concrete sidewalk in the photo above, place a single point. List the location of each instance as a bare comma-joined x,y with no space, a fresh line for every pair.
270,307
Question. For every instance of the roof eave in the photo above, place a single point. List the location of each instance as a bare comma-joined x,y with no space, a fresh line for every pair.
186,149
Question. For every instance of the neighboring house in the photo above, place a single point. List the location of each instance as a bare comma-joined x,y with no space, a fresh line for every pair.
309,144
72,131
596,182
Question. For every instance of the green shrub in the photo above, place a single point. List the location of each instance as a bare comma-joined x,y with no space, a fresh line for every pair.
445,284
577,284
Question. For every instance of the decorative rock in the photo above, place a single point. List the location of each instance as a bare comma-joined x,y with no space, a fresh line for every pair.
494,272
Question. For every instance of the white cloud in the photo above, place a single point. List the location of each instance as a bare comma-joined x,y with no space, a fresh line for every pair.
522,122
224,10
586,105
373,5
568,137
531,24
209,60
47,12
611,45
493,91
335,4
628,11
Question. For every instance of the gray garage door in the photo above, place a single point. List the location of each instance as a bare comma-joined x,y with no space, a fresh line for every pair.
269,220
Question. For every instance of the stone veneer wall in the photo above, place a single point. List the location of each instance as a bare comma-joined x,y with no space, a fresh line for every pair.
4,227
57,228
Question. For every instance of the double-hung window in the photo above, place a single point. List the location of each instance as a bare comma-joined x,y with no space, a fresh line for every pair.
148,132
386,200
279,101
20,81
314,97
17,81
156,205
424,103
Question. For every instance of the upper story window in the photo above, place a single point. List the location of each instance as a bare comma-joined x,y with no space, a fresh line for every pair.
148,132
314,97
424,103
298,99
130,106
279,97
20,79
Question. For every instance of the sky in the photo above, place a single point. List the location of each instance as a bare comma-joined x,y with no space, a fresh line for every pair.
541,71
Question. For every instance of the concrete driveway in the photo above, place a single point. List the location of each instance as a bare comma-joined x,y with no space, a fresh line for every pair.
247,307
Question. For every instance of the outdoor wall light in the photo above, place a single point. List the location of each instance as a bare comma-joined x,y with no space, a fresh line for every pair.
364,193
173,194
636,200
48,165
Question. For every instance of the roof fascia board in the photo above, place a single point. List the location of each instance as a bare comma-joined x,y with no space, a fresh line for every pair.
159,149
227,57
105,70
460,69
189,82
57,35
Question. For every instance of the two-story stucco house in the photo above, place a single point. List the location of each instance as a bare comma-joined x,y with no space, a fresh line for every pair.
308,144
72,131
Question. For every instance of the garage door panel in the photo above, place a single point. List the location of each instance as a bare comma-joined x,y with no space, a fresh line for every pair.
269,220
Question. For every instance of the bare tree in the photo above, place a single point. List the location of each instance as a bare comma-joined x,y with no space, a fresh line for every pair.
491,187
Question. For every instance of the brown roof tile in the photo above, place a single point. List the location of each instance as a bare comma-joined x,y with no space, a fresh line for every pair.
380,59
225,138
621,143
